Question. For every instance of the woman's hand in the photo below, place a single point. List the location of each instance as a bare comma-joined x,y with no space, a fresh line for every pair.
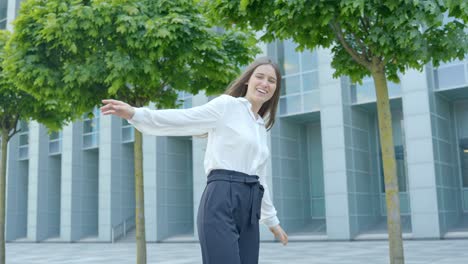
117,108
280,234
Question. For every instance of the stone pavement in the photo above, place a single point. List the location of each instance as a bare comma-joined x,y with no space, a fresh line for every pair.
323,252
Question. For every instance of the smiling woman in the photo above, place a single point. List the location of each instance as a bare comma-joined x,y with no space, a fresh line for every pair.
235,160
263,74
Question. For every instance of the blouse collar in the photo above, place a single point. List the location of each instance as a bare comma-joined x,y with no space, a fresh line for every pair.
247,103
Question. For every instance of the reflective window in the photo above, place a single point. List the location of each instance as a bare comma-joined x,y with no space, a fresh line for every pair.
90,125
461,121
55,143
464,161
451,75
311,101
3,13
23,134
288,57
292,85
310,81
23,139
184,99
299,77
309,60
290,105
128,132
365,92
91,130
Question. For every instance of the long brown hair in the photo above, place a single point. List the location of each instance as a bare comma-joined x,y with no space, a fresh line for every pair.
238,88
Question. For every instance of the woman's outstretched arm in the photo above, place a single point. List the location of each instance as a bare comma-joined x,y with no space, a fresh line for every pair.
170,122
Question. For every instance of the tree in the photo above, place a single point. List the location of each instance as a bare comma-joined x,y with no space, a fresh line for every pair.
78,52
16,105
367,37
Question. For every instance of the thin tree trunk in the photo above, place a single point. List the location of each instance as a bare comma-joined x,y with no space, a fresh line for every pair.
139,200
389,167
3,164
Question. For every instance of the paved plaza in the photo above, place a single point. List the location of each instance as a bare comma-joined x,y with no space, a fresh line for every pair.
324,252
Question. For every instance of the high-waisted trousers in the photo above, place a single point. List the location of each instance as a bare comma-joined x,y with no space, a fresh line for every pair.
228,218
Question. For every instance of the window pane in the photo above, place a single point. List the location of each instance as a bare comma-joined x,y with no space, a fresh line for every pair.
394,89
90,126
288,57
400,166
451,76
453,62
290,104
464,160
292,84
90,141
271,50
312,101
127,134
24,126
188,103
54,147
3,12
23,152
365,92
309,60
54,135
24,139
310,81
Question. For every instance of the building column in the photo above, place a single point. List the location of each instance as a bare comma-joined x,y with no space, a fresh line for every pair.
420,155
109,176
72,159
334,150
11,13
37,183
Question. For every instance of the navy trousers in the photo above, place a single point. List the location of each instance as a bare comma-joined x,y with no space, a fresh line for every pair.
228,218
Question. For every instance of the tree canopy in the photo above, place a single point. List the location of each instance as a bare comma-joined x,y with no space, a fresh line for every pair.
399,34
18,105
76,52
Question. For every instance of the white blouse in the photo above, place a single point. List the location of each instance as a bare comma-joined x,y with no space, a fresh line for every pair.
236,140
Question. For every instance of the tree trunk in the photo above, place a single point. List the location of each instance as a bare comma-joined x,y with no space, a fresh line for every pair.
389,167
139,200
3,164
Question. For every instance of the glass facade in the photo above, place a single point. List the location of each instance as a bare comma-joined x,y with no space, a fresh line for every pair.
464,161
23,141
451,75
3,13
128,132
55,143
184,99
91,131
365,92
299,70
461,110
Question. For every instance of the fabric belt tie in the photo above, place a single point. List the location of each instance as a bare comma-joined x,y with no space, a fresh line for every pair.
252,180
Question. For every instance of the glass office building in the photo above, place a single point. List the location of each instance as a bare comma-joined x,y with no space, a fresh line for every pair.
325,172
